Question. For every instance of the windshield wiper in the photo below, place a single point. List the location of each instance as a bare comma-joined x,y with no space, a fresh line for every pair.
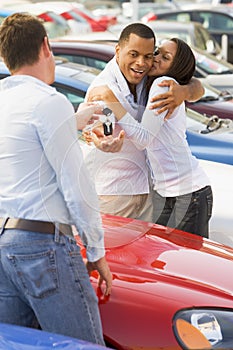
208,98
215,123
226,95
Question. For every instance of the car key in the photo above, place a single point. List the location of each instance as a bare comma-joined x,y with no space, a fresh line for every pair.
108,129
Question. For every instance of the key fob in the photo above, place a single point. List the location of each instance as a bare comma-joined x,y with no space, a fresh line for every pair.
108,130
107,127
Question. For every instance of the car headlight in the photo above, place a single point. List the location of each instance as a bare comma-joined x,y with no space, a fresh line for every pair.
204,328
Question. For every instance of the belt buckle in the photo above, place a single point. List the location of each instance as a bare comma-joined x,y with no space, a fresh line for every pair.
3,225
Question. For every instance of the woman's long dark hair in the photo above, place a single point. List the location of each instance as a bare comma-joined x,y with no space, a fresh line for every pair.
183,65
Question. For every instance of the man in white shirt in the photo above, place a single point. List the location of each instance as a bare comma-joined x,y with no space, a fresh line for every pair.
44,189
123,179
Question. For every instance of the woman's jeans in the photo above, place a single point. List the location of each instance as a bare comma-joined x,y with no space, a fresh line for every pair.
43,280
190,212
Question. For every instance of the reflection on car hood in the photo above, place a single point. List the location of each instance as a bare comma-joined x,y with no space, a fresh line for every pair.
145,252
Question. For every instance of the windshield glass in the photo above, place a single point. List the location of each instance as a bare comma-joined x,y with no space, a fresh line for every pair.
210,65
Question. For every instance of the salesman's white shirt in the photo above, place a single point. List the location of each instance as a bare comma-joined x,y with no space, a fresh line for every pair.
124,172
43,176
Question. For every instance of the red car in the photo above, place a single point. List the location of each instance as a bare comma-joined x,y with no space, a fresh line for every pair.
98,24
171,289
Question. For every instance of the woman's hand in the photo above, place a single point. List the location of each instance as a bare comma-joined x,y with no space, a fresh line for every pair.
176,94
169,100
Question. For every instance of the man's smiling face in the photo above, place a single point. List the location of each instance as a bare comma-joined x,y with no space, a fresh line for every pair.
135,58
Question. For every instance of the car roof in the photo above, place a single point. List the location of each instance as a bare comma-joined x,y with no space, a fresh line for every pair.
173,24
203,8
56,6
72,74
101,45
158,24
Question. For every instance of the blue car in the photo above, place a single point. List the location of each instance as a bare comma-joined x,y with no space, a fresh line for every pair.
21,338
209,138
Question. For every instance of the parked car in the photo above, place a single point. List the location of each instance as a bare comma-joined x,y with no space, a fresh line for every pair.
214,71
218,20
92,54
210,64
98,24
213,102
171,289
77,10
222,83
145,8
175,280
210,136
103,7
55,25
77,24
193,33
14,337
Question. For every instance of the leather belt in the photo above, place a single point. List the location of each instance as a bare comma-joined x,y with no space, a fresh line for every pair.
35,226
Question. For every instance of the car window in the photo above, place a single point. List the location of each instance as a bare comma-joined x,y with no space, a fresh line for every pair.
208,42
219,21
87,61
200,39
75,97
211,65
77,17
183,17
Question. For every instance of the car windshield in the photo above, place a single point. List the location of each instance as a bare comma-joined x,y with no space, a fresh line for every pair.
212,65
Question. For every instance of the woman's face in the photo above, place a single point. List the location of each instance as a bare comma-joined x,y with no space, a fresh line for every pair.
163,58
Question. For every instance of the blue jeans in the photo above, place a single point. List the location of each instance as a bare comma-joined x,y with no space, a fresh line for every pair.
44,281
190,212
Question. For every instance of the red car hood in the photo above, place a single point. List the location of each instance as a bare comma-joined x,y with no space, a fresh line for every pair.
157,272
147,252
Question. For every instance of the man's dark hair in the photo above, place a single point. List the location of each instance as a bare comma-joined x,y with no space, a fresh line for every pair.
184,63
21,37
139,29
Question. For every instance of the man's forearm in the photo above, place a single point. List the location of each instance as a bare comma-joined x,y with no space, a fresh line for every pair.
194,90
